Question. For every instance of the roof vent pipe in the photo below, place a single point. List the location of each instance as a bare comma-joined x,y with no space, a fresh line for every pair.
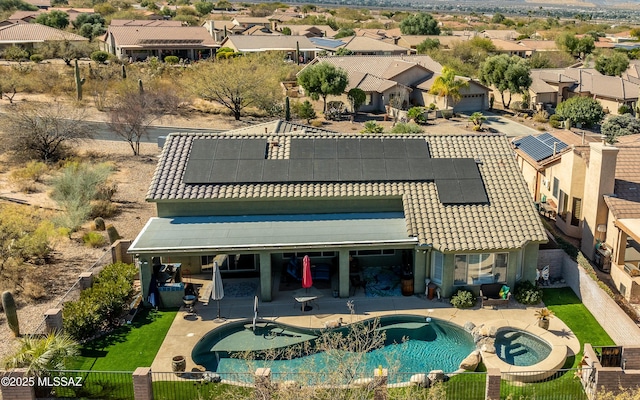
555,148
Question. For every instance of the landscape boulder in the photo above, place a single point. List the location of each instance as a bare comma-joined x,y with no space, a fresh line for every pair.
470,363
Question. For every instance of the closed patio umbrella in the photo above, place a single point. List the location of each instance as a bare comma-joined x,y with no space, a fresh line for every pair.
217,290
307,280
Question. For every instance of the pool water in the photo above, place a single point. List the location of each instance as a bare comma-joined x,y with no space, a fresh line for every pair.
412,345
520,348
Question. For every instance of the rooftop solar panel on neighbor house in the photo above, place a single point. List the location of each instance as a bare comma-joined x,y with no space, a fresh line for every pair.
224,160
541,147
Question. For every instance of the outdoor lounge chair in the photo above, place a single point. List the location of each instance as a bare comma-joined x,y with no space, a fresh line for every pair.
490,295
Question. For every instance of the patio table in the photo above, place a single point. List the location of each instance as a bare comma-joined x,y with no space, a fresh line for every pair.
304,296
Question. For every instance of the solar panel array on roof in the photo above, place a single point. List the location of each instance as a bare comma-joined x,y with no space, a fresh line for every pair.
540,147
221,161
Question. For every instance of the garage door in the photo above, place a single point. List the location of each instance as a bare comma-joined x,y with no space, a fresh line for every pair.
470,103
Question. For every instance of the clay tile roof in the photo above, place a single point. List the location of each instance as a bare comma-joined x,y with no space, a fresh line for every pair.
30,33
508,221
626,203
365,44
161,35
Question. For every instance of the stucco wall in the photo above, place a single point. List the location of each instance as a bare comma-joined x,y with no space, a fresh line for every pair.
615,322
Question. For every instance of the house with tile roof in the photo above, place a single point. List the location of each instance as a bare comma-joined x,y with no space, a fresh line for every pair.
590,189
449,208
554,85
405,77
33,35
286,44
512,48
366,46
139,42
309,30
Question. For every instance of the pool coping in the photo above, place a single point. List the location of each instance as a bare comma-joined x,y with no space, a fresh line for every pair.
532,373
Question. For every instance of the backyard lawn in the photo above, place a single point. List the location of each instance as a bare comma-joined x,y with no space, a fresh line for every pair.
128,347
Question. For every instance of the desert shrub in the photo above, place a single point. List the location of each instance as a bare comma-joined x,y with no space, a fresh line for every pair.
32,172
541,116
624,109
417,114
526,292
93,239
15,53
100,56
555,121
74,190
99,225
372,127
100,306
103,208
463,299
410,127
516,106
316,123
304,110
36,58
171,59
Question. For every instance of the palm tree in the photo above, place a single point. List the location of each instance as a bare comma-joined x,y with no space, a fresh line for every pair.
40,354
447,85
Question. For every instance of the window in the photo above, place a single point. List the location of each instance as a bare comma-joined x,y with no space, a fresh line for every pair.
369,100
437,267
475,269
556,187
563,205
576,211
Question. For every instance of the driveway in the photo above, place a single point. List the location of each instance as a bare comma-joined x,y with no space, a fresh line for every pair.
508,126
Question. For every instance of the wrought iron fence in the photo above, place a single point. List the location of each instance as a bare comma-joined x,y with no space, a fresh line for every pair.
564,384
200,385
112,385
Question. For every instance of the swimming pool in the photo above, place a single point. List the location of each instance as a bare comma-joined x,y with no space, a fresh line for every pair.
517,347
411,345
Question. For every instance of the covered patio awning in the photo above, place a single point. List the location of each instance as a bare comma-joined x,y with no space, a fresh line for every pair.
631,226
263,232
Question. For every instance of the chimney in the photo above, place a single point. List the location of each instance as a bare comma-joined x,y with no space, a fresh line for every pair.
599,182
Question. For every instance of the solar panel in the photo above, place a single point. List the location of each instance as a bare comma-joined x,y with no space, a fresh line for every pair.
371,148
203,149
394,148
397,169
449,191
325,170
540,147
349,170
250,170
417,148
197,171
228,149
473,191
348,148
224,171
443,168
275,171
301,148
253,149
325,148
373,169
300,170
466,168
420,169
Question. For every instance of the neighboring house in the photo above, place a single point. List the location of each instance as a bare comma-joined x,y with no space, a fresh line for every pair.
538,46
73,13
309,31
512,48
366,46
25,16
258,30
402,81
549,87
41,4
592,191
281,43
221,29
31,35
412,41
247,22
145,22
331,46
140,42
506,34
449,208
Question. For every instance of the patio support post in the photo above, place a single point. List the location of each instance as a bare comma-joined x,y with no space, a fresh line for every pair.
262,379
343,273
17,391
493,384
420,271
265,275
380,378
142,384
144,268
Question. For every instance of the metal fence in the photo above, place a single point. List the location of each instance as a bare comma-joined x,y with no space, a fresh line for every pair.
111,385
561,385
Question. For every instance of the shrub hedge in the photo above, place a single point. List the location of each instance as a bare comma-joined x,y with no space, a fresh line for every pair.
527,293
463,299
100,307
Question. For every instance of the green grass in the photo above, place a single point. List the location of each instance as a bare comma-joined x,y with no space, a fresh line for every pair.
128,347
568,307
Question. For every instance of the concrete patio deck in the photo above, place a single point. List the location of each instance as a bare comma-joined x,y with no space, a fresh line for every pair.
186,331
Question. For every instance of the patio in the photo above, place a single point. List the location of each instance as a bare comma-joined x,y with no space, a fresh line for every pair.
185,332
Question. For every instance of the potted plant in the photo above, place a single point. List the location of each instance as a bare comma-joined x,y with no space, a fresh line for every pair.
544,315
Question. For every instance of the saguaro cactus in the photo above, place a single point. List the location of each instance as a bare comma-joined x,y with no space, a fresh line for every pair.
287,109
9,306
124,72
79,81
140,87
298,53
